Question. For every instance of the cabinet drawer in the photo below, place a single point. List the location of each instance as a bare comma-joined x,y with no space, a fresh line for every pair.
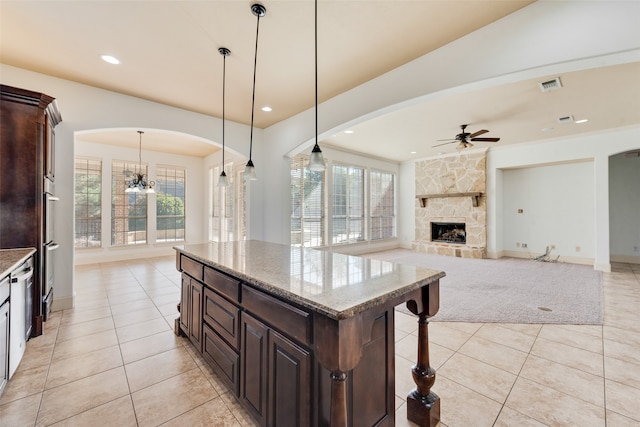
291,320
226,285
222,316
191,267
222,358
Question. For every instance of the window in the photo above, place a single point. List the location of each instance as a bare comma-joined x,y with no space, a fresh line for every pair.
128,210
226,211
382,205
348,204
88,203
170,206
307,204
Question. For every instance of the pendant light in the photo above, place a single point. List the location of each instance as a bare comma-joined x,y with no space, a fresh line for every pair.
222,181
250,171
316,161
138,183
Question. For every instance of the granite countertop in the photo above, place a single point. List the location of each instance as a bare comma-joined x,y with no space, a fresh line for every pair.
336,285
11,258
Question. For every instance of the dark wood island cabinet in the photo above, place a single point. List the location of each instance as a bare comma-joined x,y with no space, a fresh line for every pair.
305,337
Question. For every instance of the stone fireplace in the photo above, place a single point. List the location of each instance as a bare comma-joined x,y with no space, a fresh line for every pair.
451,207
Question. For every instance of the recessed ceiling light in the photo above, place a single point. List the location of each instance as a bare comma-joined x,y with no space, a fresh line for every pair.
267,108
582,121
110,59
413,152
546,129
348,131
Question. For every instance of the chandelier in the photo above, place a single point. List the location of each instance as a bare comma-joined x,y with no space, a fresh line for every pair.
138,183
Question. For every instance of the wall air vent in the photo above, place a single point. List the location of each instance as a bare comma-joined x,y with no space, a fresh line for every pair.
550,85
565,119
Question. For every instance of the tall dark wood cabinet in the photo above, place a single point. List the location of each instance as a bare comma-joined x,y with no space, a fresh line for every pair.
27,173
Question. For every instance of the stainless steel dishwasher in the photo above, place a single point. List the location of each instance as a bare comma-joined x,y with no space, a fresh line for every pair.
20,312
5,289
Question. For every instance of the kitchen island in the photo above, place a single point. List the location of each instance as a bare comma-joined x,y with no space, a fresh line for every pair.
304,336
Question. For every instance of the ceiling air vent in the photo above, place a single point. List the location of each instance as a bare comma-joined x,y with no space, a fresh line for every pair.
565,119
550,85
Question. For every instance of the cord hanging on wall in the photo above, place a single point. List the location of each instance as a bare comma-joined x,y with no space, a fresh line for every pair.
316,160
250,171
222,181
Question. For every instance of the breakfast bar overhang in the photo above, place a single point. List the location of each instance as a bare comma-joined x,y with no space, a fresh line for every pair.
305,336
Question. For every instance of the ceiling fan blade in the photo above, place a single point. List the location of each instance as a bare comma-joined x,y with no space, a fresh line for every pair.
445,143
486,139
448,139
480,132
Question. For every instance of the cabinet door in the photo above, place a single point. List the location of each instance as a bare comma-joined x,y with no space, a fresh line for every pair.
289,382
185,305
253,374
195,318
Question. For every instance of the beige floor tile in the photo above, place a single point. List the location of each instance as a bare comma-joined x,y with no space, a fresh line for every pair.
621,335
38,355
616,420
74,398
78,330
170,398
70,369
80,315
623,399
405,322
148,346
170,309
594,330
128,297
622,371
622,351
404,378
131,306
569,356
136,316
565,379
25,382
402,421
525,328
552,407
238,411
469,328
142,329
506,336
21,412
498,355
117,413
478,376
574,338
211,413
153,369
510,418
408,348
461,407
447,337
84,344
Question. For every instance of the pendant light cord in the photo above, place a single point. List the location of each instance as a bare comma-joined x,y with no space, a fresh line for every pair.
253,95
140,153
316,63
224,77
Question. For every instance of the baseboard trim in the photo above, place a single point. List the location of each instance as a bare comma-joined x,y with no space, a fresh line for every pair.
567,259
630,259
63,303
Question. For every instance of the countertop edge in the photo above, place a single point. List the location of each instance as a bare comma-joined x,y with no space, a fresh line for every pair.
12,258
312,305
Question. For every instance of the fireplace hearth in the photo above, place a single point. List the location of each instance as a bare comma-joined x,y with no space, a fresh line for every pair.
448,232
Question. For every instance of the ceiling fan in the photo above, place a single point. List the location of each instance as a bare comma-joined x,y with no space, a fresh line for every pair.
465,138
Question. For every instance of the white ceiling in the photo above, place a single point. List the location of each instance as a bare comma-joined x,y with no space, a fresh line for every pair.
169,54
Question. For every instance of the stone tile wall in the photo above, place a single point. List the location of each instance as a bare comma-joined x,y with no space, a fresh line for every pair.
464,173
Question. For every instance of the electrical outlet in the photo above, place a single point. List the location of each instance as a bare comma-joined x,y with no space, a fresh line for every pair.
520,210
524,245
578,248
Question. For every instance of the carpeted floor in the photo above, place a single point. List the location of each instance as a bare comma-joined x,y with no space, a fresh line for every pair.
510,290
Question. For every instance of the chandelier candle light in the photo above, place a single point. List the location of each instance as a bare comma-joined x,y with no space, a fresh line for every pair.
316,161
222,181
250,171
138,183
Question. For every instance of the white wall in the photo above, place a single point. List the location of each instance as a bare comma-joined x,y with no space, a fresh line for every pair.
557,204
624,208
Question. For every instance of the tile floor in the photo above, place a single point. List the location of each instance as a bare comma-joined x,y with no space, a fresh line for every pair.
114,360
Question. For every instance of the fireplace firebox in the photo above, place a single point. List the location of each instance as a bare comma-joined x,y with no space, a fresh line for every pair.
448,232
